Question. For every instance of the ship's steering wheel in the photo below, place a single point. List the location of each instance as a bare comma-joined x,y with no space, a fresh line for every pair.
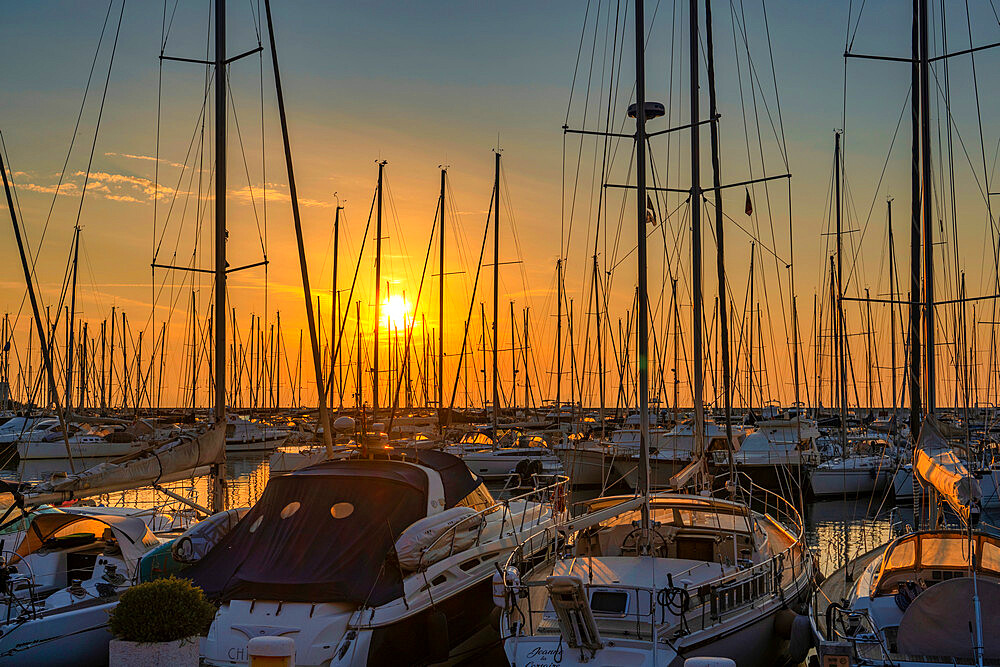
658,543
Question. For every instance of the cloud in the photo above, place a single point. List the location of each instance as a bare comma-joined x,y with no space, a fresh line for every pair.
148,158
66,189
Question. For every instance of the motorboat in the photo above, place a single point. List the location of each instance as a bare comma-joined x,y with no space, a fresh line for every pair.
851,476
244,435
779,452
511,453
364,560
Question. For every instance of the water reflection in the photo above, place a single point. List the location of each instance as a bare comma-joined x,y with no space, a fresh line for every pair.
246,476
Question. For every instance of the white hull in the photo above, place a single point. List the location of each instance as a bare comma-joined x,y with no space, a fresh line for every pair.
83,450
749,640
586,466
258,445
51,640
834,482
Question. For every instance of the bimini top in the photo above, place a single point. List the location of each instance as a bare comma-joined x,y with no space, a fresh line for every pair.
130,534
323,533
930,554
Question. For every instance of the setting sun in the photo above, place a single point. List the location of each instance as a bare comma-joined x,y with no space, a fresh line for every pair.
396,312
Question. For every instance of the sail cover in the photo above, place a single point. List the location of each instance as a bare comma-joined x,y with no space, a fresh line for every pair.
185,456
940,622
321,534
937,464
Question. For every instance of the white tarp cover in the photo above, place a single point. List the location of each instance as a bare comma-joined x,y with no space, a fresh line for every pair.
937,464
414,546
938,622
157,463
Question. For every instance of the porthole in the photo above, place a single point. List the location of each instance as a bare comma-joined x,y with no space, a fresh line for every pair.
256,524
342,510
290,509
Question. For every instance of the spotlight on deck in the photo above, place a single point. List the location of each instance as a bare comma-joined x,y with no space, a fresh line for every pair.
653,110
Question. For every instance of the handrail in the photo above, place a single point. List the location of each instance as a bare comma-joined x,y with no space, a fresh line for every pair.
549,494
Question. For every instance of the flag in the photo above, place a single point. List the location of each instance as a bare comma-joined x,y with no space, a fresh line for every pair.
749,207
650,211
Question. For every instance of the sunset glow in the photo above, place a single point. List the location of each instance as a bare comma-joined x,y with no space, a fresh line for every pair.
396,312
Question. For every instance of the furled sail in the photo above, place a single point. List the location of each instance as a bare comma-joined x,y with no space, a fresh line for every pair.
939,465
179,458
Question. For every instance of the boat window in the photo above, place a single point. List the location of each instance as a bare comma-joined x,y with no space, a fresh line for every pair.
478,499
609,602
903,555
342,510
290,509
256,524
944,552
990,554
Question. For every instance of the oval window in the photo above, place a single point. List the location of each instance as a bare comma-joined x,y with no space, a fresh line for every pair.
290,509
342,510
256,524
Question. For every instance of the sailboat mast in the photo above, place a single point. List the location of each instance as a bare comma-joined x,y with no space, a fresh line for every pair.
335,308
839,304
440,354
496,292
559,302
696,306
721,248
378,287
642,344
915,356
892,321
925,200
219,469
72,322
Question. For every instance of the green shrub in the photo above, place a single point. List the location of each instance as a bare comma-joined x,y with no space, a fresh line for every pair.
161,611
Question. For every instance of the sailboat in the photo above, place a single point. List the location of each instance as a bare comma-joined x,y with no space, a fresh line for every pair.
931,596
661,577
68,570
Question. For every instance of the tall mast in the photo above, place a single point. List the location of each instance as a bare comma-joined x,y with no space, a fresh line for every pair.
839,304
440,354
42,335
696,306
335,308
597,331
642,344
496,292
915,399
559,303
892,321
219,469
925,199
378,288
721,248
324,415
72,322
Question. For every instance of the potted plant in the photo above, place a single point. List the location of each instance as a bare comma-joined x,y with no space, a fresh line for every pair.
159,623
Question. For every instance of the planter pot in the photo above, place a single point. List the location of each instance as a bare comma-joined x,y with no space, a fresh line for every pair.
179,653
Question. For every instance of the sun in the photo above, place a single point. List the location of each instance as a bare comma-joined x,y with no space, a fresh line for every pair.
395,310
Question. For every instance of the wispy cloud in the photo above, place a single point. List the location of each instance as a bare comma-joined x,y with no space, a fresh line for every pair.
147,158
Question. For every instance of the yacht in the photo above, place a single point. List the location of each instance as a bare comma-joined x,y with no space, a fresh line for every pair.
513,454
670,450
62,579
709,578
364,560
780,450
243,435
